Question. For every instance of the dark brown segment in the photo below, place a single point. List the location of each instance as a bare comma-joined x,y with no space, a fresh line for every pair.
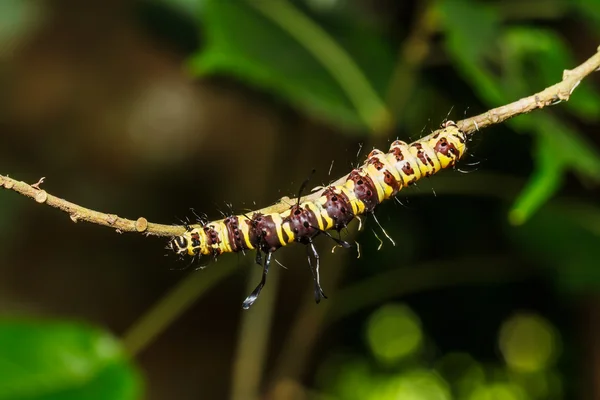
364,190
235,235
338,208
421,154
196,239
376,162
212,237
423,157
302,222
389,180
446,148
397,152
263,233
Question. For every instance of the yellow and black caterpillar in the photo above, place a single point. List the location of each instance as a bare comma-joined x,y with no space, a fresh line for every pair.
381,177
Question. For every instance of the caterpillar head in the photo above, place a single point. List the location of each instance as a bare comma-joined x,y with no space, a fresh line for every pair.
178,244
188,243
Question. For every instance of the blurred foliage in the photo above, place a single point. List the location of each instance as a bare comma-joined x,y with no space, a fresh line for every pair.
332,63
301,63
565,238
528,342
50,360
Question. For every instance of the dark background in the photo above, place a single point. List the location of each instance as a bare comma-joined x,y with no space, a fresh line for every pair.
148,108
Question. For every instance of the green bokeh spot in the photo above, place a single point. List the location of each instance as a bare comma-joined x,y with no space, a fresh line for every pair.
528,343
414,385
499,391
393,333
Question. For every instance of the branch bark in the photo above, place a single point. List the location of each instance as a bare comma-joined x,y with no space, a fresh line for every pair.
552,95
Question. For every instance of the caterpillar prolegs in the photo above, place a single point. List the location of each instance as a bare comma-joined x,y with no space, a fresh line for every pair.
381,177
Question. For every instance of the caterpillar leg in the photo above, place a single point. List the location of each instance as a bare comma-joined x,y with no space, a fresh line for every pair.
311,252
256,292
382,230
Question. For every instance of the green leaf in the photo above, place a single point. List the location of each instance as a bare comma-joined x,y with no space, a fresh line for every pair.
471,28
589,10
570,148
542,56
559,149
544,182
59,360
243,43
472,31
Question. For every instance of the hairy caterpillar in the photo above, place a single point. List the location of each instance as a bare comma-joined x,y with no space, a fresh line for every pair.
381,177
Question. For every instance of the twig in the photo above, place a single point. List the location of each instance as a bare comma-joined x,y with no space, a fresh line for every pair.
552,95
79,213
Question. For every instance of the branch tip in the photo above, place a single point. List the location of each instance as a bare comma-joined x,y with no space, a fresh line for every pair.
41,196
141,224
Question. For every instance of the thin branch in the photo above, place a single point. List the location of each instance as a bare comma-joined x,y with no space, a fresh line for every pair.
79,213
550,96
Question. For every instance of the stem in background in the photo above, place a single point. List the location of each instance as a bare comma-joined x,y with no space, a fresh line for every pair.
552,95
171,306
334,58
308,324
385,286
253,340
413,52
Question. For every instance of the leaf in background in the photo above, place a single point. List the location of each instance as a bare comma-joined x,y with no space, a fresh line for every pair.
565,237
542,56
472,30
589,10
55,360
243,43
529,59
17,20
190,7
559,149
544,182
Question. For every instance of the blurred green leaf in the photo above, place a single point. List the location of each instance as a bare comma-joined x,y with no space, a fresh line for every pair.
544,182
566,238
589,10
472,30
54,360
538,58
191,7
527,60
16,18
559,149
243,43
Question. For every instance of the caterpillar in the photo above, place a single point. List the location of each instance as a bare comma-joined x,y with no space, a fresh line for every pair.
381,177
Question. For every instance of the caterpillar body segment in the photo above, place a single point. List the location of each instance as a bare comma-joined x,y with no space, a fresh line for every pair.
381,177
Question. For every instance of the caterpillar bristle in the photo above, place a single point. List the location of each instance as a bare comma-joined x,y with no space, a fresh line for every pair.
379,178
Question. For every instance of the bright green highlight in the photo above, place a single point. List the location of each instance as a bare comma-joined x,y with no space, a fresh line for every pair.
414,385
393,333
528,343
499,391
